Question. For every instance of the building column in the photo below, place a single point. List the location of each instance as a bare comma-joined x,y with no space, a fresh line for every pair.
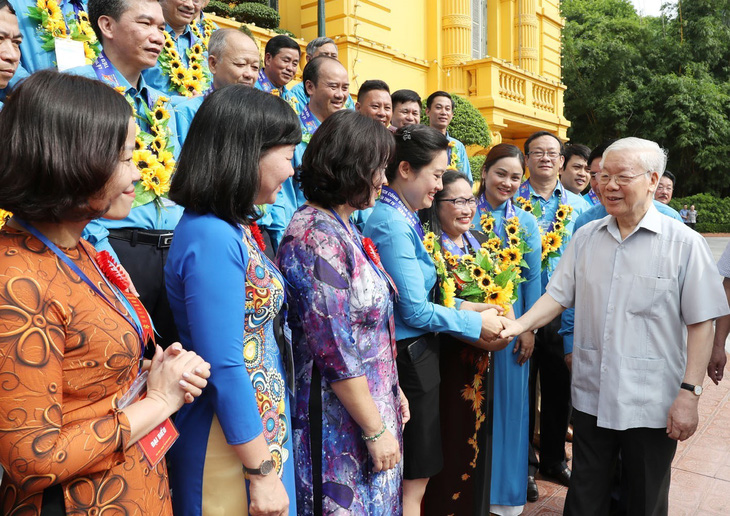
527,53
457,43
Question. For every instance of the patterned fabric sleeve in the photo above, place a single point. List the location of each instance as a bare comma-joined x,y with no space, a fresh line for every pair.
317,267
38,447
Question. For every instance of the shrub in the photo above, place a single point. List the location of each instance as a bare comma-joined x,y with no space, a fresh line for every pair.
219,8
289,33
468,125
713,213
476,163
260,15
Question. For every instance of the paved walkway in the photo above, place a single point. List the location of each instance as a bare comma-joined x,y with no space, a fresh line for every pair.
701,468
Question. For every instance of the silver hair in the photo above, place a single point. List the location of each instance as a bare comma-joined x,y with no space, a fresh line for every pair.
652,157
316,43
219,40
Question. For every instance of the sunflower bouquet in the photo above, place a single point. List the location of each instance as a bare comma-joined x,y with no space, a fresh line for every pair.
553,239
187,81
51,24
489,275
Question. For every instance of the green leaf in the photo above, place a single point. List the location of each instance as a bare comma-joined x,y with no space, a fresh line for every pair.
142,196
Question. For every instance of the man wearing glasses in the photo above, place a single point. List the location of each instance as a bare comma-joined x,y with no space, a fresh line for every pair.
547,196
643,334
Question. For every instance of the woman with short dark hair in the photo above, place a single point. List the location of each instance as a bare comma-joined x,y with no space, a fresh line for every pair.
72,335
350,410
225,293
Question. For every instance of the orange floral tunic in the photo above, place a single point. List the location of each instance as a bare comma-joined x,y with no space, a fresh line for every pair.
66,358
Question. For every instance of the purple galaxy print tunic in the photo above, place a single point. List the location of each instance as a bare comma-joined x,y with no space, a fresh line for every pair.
341,317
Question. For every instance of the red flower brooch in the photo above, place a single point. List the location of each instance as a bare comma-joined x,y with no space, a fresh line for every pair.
371,250
112,270
256,234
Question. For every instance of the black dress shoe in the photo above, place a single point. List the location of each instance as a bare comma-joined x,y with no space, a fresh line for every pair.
560,472
532,493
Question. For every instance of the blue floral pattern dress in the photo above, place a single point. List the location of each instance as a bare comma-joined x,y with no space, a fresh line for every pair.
341,318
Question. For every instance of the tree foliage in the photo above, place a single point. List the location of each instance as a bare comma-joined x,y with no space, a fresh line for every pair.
666,79
468,125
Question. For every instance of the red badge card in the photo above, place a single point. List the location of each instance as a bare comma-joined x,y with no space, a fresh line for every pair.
157,443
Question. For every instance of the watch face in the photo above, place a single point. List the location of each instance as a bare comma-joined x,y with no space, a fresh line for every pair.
267,467
698,390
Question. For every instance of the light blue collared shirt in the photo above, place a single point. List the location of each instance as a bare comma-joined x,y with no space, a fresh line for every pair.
148,216
463,166
185,109
159,79
405,258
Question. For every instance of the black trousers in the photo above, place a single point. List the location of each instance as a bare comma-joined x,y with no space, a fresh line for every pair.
549,360
146,266
646,460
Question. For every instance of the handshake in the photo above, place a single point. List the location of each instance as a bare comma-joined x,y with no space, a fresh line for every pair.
497,328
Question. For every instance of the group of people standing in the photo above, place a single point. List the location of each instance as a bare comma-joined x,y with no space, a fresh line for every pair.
285,237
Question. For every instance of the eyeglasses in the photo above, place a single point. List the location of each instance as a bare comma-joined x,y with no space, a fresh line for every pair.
553,155
621,180
460,202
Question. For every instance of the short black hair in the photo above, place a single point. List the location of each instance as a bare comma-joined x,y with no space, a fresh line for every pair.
218,169
277,43
417,145
539,134
114,9
4,4
342,159
597,152
372,85
670,176
430,216
62,137
403,96
435,94
311,70
576,149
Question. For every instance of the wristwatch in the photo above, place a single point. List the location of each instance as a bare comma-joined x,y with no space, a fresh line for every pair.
266,467
694,389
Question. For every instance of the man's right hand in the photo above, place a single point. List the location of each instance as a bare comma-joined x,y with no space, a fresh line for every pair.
491,324
511,329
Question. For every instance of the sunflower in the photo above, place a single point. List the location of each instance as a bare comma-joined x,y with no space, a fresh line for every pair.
514,241
447,255
144,160
527,207
558,226
173,55
453,261
138,144
553,240
487,223
494,244
449,289
168,160
485,283
169,44
197,48
467,259
511,255
194,56
561,213
176,65
191,87
195,67
158,144
512,229
196,74
4,216
160,114
477,273
428,244
157,179
497,296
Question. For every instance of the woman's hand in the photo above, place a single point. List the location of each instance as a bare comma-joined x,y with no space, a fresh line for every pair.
385,452
268,496
491,324
525,345
175,374
405,410
480,307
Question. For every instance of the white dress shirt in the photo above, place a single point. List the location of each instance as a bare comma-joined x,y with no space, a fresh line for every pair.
633,299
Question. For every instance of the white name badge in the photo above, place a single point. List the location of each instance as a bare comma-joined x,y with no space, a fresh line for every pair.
69,53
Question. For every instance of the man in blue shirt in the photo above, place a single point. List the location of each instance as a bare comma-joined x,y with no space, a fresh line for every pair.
10,41
131,36
281,61
233,58
327,85
544,155
322,46
440,112
182,67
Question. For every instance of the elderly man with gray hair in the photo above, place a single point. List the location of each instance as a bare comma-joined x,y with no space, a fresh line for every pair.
645,290
233,58
322,46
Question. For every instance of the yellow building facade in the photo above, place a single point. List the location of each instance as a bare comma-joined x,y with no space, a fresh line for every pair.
501,55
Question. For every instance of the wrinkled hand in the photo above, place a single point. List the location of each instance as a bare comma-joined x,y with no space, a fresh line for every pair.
511,329
405,409
716,367
491,324
525,345
683,418
268,496
569,361
385,452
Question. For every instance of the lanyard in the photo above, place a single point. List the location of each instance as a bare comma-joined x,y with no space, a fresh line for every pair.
71,265
308,120
483,206
593,197
106,73
454,249
381,272
268,86
389,197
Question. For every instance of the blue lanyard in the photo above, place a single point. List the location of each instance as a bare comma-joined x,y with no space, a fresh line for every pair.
71,265
483,206
454,249
308,120
593,197
358,238
389,197
105,72
267,85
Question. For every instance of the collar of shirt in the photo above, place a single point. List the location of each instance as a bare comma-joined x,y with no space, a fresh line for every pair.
186,33
557,192
651,222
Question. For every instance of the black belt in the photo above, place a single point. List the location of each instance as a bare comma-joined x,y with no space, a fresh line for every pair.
160,238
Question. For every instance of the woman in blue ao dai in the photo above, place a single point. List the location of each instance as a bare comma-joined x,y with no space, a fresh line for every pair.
349,407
